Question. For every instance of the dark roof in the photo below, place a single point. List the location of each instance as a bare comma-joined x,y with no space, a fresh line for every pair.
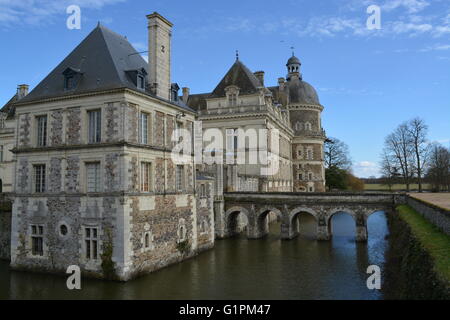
293,60
198,101
297,91
102,61
239,75
9,107
302,92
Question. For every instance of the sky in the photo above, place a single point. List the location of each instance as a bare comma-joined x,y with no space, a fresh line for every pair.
369,81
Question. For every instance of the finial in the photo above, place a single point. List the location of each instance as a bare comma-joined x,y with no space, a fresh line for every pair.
237,55
293,53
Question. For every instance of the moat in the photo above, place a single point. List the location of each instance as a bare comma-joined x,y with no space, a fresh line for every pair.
240,269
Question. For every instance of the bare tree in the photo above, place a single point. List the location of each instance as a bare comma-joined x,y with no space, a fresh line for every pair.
388,170
337,154
418,132
398,148
439,168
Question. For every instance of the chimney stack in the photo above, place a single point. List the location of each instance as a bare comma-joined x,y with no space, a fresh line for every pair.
159,52
22,91
260,76
281,83
186,92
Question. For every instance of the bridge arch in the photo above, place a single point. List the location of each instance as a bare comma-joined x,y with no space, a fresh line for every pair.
232,220
262,223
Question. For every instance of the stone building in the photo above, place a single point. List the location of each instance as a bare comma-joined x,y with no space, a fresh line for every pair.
96,185
88,156
242,101
7,139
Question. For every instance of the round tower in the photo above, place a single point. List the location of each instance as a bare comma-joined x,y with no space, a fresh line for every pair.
308,143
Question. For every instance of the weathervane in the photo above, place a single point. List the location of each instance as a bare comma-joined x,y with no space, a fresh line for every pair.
237,55
293,48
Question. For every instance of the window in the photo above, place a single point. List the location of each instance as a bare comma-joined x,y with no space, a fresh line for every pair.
93,177
95,125
232,141
37,240
182,232
180,178
310,176
311,189
146,175
300,153
69,82
147,241
144,128
1,153
91,243
309,154
39,178
203,191
41,131
232,99
178,133
300,177
308,126
141,82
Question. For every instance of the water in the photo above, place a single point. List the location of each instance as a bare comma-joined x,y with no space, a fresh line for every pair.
239,269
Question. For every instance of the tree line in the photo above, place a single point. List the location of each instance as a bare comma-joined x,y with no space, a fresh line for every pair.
409,156
338,167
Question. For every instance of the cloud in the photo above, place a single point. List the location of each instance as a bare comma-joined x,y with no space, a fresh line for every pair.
37,12
437,47
412,6
366,169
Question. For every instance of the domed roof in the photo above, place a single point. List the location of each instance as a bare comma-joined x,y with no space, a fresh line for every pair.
293,60
302,92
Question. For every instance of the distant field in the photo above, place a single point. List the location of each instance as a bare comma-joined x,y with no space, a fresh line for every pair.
396,187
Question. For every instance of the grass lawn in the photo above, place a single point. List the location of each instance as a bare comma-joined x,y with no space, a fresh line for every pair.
435,242
396,187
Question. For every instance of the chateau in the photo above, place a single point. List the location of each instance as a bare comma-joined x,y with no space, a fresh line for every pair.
86,156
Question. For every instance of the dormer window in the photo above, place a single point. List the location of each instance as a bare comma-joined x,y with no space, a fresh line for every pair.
137,77
232,93
71,77
174,88
141,82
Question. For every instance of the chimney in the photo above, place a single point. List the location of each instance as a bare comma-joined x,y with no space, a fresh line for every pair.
281,83
186,92
260,76
22,91
159,51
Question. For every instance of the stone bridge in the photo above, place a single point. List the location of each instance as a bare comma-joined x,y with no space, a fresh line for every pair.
288,206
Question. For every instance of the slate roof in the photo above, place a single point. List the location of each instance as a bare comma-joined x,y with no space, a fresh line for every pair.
296,91
103,60
9,107
240,76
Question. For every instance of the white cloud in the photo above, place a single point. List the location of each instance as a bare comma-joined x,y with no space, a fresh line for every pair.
366,169
34,12
412,6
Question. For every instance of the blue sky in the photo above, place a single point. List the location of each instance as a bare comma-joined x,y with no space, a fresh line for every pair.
368,80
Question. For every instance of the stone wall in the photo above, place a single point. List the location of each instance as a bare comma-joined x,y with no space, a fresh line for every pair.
170,223
437,216
62,250
205,216
5,235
